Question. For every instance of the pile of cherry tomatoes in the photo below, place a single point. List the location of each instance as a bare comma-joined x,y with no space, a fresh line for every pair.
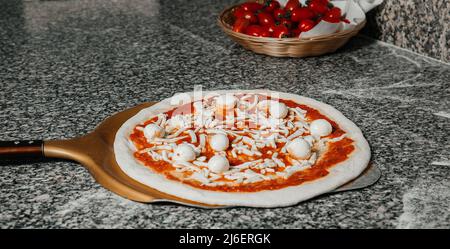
271,20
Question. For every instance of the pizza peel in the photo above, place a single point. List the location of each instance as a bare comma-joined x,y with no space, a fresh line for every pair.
96,153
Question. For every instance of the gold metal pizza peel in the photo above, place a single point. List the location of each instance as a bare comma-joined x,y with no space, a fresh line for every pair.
95,152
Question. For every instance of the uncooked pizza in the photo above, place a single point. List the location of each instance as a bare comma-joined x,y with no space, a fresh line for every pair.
241,148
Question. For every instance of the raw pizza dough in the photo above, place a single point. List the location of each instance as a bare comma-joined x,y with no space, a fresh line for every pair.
338,175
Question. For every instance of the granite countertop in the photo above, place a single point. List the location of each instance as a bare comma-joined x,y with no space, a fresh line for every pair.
67,65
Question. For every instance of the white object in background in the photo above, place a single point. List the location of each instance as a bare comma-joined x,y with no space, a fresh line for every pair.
367,5
354,11
322,28
354,14
283,2
325,28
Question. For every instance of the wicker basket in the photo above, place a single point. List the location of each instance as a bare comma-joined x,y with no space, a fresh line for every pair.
286,47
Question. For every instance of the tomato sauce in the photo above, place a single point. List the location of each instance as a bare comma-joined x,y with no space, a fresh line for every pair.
336,152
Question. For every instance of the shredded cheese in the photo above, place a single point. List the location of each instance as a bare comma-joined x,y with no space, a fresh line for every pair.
247,141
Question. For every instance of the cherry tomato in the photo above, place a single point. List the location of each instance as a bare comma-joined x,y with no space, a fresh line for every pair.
278,14
333,15
301,13
250,16
296,32
254,30
291,5
271,27
238,12
265,18
266,31
280,31
271,5
251,6
318,7
306,25
286,22
240,25
325,2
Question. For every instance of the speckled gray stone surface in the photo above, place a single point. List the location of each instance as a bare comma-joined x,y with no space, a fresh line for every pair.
67,65
422,26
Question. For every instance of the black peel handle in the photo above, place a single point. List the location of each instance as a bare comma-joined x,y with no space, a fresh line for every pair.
21,150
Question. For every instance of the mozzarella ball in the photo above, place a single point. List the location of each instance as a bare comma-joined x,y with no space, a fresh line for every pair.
226,101
278,109
184,152
309,139
299,148
320,128
153,130
178,121
219,142
264,105
218,164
